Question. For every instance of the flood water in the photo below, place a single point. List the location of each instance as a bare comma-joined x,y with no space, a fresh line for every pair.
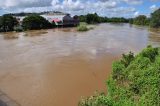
56,67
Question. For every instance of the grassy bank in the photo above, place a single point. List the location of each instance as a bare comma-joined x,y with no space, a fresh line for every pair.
134,81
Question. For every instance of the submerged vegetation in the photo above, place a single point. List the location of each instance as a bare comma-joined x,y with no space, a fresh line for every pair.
134,81
35,22
7,23
82,27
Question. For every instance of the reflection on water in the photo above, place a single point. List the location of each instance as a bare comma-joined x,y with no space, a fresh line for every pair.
62,65
12,35
35,33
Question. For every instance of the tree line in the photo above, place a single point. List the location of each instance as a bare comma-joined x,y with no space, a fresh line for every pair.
95,18
31,22
153,21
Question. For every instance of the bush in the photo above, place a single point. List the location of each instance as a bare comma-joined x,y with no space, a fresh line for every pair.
134,81
82,27
141,20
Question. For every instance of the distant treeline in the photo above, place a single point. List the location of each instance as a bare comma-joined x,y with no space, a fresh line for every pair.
94,18
153,21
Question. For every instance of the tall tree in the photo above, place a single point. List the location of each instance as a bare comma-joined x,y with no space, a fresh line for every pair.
92,18
155,19
141,20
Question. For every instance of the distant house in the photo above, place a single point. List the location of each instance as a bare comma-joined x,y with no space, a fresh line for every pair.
68,20
55,19
62,20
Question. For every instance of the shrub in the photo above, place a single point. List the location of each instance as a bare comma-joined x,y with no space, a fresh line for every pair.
141,20
134,81
82,27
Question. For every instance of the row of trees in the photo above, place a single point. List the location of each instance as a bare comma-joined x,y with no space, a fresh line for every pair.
94,18
134,81
153,21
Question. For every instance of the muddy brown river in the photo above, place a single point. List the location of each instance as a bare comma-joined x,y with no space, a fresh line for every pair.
57,67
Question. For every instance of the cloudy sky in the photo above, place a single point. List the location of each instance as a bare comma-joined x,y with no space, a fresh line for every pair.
110,8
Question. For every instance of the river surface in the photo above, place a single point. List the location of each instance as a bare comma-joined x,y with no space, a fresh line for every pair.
57,67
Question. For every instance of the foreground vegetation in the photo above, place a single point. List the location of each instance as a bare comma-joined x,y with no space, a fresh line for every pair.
134,81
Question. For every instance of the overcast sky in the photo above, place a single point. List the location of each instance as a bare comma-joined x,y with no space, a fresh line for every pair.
110,8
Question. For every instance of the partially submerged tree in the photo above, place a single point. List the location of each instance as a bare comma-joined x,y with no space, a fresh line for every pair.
7,23
34,21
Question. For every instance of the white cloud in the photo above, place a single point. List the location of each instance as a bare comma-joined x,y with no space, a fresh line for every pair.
153,7
136,14
133,2
24,3
102,7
